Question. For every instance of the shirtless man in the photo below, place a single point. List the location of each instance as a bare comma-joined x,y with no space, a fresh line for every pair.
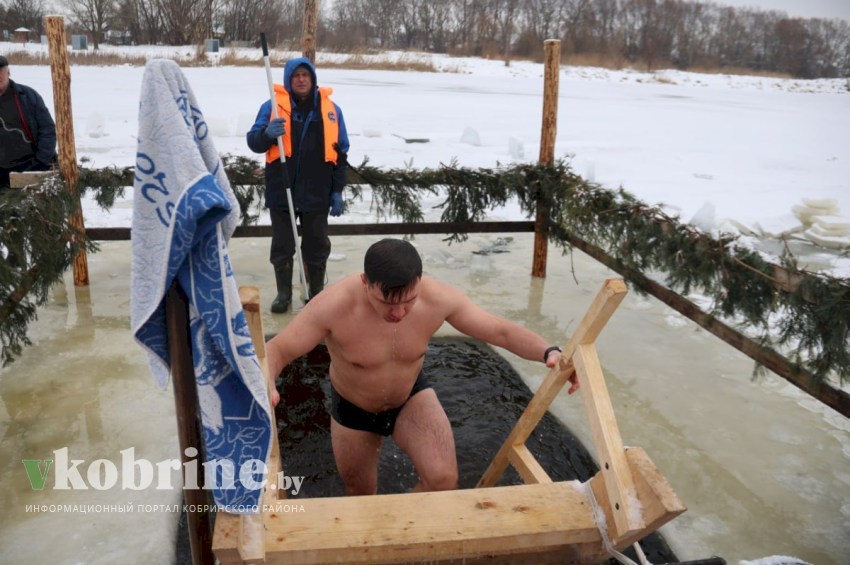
376,326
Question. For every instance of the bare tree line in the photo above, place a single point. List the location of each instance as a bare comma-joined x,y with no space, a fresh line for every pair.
651,33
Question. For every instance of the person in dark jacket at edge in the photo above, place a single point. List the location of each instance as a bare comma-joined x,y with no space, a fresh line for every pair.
27,137
315,142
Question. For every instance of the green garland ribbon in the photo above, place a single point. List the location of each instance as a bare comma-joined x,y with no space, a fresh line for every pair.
809,320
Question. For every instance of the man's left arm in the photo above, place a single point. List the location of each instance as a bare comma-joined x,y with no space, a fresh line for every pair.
474,321
342,146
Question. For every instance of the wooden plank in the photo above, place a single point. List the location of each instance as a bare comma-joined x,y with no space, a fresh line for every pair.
249,296
187,412
393,228
226,538
658,501
603,306
537,407
28,178
241,539
433,526
834,397
527,466
617,476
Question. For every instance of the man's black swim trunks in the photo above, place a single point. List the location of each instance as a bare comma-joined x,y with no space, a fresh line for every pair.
352,416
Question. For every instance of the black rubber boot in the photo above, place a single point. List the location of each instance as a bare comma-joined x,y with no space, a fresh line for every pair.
315,278
283,278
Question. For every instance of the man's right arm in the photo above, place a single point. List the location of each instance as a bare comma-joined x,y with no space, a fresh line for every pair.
258,141
299,337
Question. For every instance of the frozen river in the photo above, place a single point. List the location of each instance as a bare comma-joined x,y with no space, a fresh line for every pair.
762,467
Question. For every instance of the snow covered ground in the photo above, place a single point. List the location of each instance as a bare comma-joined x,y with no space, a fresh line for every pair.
758,156
727,152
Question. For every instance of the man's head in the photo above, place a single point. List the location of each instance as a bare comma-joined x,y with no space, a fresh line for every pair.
392,270
299,77
301,82
4,74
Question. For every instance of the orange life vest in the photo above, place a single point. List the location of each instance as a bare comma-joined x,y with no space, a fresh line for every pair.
330,123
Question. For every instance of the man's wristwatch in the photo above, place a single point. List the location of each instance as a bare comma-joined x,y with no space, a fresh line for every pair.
550,350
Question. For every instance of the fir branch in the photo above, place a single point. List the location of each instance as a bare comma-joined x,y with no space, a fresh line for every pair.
35,227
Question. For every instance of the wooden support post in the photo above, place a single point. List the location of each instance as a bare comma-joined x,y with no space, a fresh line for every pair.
527,466
548,131
308,30
62,111
241,539
617,477
600,311
188,424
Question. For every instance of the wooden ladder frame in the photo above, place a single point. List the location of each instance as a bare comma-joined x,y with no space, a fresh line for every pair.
540,521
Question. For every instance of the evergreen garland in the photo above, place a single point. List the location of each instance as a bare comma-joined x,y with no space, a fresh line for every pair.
35,225
811,321
813,317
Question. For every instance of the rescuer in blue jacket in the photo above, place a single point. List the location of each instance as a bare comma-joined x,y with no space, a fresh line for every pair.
316,145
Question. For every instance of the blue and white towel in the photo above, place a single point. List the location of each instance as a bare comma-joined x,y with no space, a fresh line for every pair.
184,212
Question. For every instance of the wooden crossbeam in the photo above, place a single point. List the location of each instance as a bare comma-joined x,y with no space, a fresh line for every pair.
531,523
658,501
527,466
432,526
28,178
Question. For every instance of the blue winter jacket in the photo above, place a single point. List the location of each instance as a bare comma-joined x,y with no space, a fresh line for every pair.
38,121
311,178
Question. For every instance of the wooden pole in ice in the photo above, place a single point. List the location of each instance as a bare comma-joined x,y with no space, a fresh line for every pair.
61,73
549,128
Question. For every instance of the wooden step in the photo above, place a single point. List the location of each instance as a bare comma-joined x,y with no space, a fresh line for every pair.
430,526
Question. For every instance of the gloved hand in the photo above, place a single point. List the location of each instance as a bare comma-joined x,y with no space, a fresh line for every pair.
337,204
275,128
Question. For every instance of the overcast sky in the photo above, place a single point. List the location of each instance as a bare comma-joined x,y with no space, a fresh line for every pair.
802,8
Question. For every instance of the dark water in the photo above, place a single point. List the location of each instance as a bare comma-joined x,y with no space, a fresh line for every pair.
483,397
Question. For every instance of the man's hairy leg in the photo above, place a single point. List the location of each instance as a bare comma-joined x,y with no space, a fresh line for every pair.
423,431
356,454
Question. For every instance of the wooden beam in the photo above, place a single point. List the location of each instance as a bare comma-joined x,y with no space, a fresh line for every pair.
241,539
27,178
527,466
609,297
542,523
60,71
617,477
432,526
835,398
392,228
190,435
548,133
658,501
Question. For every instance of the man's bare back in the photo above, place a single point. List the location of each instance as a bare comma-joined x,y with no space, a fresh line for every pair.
377,333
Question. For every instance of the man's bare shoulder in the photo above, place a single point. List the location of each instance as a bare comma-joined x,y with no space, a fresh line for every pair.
439,294
334,301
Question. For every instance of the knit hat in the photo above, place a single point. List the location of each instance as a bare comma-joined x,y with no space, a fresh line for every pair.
4,62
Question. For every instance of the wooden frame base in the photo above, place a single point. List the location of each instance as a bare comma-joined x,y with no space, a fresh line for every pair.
538,522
